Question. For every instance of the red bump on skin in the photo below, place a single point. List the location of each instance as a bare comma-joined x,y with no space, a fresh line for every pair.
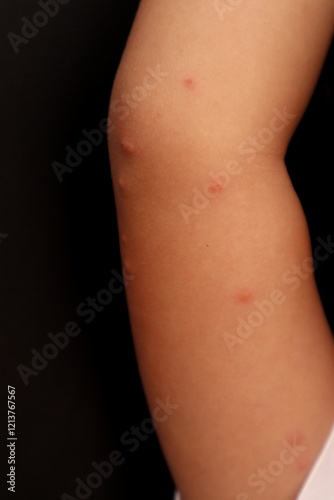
215,188
298,443
189,83
122,183
295,438
244,295
124,238
127,146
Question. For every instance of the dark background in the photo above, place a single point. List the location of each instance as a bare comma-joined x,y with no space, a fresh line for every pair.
59,242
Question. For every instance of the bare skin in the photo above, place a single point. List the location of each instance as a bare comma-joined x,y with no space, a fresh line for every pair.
225,313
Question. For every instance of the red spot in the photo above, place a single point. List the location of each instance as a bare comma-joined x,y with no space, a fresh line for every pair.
304,464
215,188
297,442
189,83
295,438
127,146
244,295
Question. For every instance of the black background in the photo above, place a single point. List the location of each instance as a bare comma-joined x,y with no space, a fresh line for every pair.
62,243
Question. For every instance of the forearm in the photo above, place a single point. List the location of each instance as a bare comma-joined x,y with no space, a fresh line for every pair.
221,328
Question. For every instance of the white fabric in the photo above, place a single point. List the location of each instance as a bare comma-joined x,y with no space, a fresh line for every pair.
319,484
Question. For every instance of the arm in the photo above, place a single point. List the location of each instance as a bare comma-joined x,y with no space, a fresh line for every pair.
224,309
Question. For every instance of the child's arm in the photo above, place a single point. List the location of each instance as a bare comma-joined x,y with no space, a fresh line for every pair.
225,313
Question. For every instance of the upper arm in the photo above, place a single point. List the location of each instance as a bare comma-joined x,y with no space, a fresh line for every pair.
228,65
